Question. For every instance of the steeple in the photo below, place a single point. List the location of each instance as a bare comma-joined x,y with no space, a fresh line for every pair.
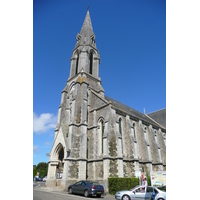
85,57
87,25
86,36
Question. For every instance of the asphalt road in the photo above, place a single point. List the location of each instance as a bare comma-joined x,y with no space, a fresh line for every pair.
40,192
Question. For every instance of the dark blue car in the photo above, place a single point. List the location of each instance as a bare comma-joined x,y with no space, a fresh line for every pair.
86,188
38,179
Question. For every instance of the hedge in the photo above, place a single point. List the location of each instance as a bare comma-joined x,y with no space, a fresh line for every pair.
117,184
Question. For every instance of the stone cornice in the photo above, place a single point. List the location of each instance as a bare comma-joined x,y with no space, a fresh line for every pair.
76,159
81,124
91,127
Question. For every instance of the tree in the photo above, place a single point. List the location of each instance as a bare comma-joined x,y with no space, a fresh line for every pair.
42,168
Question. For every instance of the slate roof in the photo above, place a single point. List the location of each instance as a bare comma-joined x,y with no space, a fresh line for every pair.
159,116
134,114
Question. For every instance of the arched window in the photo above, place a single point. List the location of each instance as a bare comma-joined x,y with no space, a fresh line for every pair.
77,63
91,62
156,139
144,130
102,132
134,131
61,155
120,126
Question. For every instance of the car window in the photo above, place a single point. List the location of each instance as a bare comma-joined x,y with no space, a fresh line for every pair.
140,189
137,190
149,189
93,183
78,183
83,183
134,188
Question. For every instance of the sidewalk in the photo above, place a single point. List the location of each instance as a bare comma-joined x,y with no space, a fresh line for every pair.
40,187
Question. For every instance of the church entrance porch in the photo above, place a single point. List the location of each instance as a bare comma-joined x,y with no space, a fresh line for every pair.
55,168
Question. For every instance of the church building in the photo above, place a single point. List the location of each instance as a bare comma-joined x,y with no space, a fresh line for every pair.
97,137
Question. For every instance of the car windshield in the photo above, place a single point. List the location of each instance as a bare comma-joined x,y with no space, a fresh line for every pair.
93,183
134,188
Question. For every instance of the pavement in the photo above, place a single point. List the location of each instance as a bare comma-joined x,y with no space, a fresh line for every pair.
40,186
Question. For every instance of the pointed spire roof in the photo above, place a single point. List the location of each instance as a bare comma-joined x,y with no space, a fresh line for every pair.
87,25
86,36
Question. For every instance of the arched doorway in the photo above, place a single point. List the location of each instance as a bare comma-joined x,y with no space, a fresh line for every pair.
59,151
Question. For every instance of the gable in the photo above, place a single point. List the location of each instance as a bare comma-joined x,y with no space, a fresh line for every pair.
159,116
97,101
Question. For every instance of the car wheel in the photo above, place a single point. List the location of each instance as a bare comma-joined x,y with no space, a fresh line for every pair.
86,194
125,197
70,190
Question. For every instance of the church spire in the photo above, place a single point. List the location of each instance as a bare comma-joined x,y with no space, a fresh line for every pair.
86,36
85,56
87,25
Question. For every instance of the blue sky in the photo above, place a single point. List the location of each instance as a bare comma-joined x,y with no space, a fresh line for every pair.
131,38
35,49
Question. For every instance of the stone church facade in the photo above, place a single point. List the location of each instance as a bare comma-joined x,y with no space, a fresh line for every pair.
97,137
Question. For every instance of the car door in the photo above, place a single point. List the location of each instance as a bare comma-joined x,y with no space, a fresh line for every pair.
82,187
139,194
148,193
76,187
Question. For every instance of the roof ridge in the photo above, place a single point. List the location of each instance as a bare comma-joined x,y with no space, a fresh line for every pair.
131,111
154,121
156,111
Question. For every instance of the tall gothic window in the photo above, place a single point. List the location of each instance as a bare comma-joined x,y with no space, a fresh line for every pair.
77,63
156,139
144,130
134,131
102,132
100,137
91,63
120,126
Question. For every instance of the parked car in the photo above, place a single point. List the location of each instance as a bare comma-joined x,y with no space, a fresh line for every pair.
45,179
86,188
38,179
152,193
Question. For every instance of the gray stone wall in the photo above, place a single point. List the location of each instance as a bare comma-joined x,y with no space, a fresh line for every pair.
73,170
129,169
113,169
99,170
153,145
87,152
142,143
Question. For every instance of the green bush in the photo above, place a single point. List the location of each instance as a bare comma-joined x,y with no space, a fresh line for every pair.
42,168
117,184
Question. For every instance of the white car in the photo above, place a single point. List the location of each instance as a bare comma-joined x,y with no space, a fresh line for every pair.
45,178
139,194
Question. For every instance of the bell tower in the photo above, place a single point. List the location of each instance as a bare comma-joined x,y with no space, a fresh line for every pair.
71,133
85,56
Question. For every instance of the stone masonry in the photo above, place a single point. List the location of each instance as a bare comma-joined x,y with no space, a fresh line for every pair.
97,137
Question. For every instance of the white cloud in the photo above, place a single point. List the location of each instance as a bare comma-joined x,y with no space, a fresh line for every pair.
36,149
47,144
44,122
